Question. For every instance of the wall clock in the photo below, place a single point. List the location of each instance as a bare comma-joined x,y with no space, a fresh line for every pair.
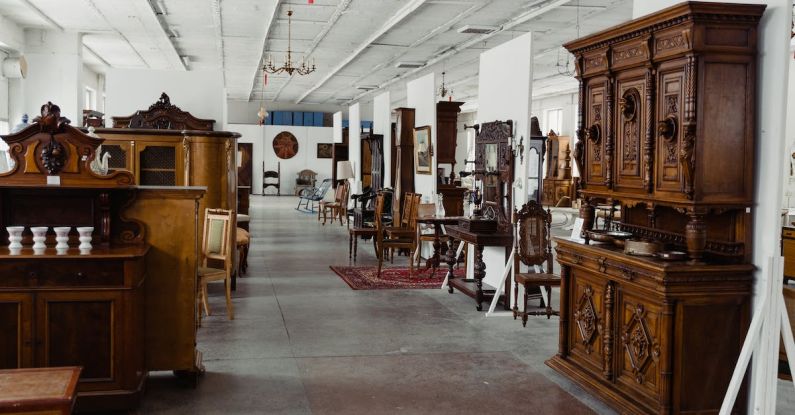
285,145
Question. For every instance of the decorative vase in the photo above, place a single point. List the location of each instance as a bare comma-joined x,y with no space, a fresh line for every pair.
39,236
62,237
85,236
440,213
15,236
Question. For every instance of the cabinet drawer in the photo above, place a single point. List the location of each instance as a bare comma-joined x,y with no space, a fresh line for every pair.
788,233
51,274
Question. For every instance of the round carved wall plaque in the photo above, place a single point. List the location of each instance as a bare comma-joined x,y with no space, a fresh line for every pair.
285,145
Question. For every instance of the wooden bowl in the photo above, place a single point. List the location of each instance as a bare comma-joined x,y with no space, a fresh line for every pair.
641,248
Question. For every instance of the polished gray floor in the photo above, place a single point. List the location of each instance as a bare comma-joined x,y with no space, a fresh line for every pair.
303,342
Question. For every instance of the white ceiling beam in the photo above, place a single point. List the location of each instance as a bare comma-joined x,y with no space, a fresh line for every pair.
341,8
95,55
404,12
32,7
269,26
12,36
522,18
172,53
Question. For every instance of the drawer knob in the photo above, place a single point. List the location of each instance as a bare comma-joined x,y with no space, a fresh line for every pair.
81,275
33,275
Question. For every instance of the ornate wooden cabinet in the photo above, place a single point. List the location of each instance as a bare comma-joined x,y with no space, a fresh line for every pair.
558,182
72,307
403,175
667,131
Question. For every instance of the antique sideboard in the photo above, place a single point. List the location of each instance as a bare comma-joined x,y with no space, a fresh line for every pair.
667,131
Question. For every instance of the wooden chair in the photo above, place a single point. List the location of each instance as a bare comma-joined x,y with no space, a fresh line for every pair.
306,180
215,248
534,248
243,242
272,178
383,241
339,207
406,225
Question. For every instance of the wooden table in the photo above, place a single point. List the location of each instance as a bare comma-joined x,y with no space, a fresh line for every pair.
50,390
438,248
479,240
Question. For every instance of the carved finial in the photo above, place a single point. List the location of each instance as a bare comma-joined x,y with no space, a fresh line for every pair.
50,120
164,99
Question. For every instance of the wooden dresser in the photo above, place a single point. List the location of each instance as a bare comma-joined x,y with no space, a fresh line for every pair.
558,182
667,132
72,307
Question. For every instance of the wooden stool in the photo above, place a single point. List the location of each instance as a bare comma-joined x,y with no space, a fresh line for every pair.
243,241
534,280
50,390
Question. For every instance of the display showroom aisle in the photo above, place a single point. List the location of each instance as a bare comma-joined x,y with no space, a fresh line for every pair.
303,342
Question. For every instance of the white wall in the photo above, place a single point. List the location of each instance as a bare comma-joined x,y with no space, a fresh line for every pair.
382,115
566,102
465,139
355,146
789,183
55,65
306,158
91,79
199,92
421,95
337,122
504,93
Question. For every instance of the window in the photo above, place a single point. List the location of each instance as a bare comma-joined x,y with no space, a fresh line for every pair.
90,99
554,120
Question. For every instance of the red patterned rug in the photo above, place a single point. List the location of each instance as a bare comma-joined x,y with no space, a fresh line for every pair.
366,278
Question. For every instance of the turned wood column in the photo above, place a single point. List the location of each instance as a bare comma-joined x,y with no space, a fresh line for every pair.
451,260
563,327
696,235
588,214
479,273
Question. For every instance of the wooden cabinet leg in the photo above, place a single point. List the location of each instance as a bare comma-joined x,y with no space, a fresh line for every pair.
696,237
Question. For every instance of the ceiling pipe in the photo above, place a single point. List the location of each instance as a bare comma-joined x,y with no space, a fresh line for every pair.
407,10
524,17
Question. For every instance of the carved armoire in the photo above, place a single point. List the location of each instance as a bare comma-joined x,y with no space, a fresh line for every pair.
667,132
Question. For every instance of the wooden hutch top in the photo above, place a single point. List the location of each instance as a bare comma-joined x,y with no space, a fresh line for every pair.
163,115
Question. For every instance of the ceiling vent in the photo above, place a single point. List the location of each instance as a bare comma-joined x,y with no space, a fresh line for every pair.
367,87
476,30
410,65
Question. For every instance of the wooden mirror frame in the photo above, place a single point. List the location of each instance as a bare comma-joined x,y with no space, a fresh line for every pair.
417,168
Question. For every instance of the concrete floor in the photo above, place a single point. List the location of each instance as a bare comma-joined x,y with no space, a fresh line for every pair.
303,342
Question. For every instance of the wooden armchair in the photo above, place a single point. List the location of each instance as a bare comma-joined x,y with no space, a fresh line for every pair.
216,249
406,225
306,180
383,241
534,248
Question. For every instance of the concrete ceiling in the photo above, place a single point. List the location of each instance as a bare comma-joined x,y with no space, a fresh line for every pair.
354,43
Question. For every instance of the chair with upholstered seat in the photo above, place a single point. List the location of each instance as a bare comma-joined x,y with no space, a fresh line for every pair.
217,261
533,249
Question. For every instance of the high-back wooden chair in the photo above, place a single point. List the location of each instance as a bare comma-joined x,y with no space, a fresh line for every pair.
534,249
337,208
383,241
216,250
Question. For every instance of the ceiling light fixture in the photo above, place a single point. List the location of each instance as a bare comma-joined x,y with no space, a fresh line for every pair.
443,91
287,66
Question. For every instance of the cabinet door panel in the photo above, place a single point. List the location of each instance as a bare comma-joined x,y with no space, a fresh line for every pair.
631,127
670,105
80,329
15,325
159,164
640,325
587,317
595,132
121,154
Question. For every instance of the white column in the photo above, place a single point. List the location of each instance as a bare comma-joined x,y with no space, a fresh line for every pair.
421,95
355,146
382,115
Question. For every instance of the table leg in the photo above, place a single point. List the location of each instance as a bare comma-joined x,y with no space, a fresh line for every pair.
479,274
451,260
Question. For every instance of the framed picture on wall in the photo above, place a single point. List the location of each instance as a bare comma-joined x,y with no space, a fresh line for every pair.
324,150
423,150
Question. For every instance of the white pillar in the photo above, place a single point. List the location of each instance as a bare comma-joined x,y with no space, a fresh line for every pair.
355,146
55,66
382,124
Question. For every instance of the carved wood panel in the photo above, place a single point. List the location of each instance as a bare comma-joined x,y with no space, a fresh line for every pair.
587,319
670,103
595,133
631,124
638,349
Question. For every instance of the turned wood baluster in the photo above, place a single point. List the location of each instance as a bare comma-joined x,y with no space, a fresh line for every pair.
451,260
479,273
666,359
607,331
648,143
696,235
607,133
588,214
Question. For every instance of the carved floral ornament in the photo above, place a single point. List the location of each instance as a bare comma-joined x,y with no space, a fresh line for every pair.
586,319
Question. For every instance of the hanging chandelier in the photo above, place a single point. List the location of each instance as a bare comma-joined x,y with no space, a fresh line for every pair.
287,66
443,91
